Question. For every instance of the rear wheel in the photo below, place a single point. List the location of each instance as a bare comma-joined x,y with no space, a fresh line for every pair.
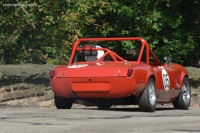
147,101
184,98
63,103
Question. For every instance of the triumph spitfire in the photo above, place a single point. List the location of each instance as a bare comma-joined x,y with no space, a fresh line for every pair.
102,72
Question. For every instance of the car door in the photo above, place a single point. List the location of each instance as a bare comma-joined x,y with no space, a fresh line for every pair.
166,77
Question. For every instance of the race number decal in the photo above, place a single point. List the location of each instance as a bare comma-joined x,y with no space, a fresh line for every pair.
165,78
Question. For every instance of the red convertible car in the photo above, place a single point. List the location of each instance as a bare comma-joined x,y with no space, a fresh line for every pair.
98,76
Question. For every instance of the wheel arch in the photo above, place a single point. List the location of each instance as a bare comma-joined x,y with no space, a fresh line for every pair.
182,76
154,78
150,75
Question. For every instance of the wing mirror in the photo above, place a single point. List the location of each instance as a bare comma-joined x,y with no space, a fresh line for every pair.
168,60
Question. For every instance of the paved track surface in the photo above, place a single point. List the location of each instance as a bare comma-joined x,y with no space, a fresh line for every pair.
92,120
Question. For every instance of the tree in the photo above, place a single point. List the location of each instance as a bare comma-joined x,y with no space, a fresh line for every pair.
44,32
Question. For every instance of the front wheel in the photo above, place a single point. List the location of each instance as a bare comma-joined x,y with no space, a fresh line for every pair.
63,103
147,101
184,98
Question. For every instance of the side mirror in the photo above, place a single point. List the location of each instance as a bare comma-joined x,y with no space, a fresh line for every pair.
168,60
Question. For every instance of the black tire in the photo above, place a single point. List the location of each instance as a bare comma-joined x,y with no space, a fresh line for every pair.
63,103
147,100
104,106
184,98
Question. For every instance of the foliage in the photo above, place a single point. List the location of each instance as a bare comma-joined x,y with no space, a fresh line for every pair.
45,31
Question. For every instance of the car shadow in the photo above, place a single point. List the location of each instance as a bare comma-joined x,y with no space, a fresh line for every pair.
128,109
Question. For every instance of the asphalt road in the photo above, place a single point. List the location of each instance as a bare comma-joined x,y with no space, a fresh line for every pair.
92,120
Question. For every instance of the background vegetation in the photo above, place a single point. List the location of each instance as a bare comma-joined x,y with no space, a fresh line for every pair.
44,31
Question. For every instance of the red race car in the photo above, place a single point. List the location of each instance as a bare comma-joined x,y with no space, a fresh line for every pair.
97,76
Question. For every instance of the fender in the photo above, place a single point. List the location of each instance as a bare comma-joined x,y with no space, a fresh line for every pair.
150,74
138,84
182,76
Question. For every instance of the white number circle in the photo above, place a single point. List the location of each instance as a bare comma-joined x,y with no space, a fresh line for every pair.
165,78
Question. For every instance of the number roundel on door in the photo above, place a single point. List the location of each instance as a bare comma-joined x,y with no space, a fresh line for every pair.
166,81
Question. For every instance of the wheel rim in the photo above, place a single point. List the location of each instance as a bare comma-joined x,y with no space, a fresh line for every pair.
152,94
186,93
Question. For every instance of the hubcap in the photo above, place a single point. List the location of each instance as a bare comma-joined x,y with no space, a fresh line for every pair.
152,94
186,92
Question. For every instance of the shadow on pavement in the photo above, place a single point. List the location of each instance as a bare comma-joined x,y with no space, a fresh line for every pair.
128,109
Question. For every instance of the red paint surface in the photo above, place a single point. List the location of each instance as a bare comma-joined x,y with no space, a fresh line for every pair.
101,79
